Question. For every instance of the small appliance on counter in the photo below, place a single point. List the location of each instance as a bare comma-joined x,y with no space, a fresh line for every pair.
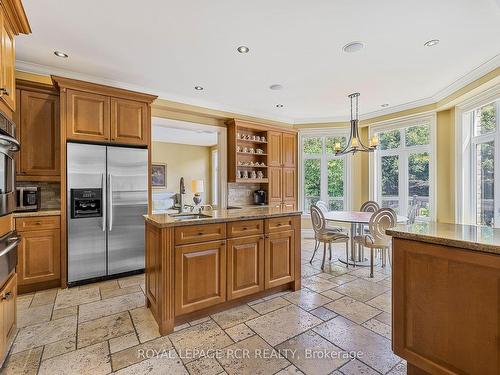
28,198
259,197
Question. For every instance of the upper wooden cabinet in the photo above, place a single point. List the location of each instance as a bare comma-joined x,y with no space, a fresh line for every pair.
289,150
275,157
97,113
13,22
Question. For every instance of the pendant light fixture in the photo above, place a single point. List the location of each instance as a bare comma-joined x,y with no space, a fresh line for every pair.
354,144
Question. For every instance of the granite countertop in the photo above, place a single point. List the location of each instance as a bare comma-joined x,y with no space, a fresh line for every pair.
37,213
470,237
221,216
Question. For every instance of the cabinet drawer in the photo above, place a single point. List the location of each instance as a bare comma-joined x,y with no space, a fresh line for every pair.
245,228
279,224
37,223
199,233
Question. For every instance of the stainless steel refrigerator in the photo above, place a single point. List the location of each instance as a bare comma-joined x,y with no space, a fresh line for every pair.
107,196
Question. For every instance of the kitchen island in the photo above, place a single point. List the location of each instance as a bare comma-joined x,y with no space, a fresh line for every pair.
446,298
199,264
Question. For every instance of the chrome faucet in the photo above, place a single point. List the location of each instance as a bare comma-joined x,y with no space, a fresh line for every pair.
182,192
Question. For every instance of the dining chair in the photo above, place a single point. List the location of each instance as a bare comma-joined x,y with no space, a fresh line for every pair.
412,215
381,220
327,237
334,228
370,206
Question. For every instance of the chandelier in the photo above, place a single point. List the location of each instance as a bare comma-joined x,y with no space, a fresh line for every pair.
354,144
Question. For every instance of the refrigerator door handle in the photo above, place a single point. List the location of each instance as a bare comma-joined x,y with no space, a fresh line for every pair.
110,199
104,208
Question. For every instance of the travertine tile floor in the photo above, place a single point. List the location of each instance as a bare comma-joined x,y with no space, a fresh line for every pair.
339,323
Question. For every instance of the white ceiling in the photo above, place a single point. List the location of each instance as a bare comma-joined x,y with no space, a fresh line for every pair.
173,131
167,47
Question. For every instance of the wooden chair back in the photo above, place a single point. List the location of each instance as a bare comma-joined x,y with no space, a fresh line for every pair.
318,219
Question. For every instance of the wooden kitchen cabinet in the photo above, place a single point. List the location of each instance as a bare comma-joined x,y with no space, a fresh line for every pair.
289,150
200,276
7,65
245,266
274,149
289,186
38,114
275,194
279,258
129,121
8,295
39,252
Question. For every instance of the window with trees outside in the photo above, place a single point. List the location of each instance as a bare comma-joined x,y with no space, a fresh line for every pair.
324,175
402,167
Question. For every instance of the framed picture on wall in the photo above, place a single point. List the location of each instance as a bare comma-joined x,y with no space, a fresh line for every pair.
159,175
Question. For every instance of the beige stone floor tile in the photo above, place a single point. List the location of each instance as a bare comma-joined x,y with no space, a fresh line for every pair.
24,363
110,306
324,275
353,309
109,293
240,364
386,282
310,271
375,350
361,289
198,321
102,285
385,318
400,369
342,279
323,313
131,280
356,367
204,366
307,299
332,294
382,302
145,324
234,316
102,329
59,347
63,313
270,305
34,315
333,268
255,301
161,365
123,342
92,360
282,324
378,327
239,332
23,301
45,297
317,284
135,354
45,333
275,295
180,327
364,272
295,350
290,370
199,339
74,296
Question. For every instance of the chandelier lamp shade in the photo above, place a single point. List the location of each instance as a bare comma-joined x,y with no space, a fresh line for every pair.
354,144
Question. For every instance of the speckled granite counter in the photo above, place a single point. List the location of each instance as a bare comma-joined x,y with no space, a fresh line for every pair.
37,213
468,237
220,216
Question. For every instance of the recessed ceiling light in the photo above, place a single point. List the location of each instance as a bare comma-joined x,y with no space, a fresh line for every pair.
431,43
353,47
279,105
384,105
243,49
61,54
199,88
276,86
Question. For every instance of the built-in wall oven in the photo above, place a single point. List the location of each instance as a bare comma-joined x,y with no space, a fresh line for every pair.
8,147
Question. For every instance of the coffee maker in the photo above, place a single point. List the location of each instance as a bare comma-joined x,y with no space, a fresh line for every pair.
259,197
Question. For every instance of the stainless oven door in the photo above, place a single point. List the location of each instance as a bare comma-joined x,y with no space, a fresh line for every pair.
8,146
8,255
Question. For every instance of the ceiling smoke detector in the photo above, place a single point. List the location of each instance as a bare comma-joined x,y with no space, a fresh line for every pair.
353,47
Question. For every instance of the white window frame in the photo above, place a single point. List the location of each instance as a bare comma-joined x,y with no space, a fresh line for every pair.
466,141
405,151
318,133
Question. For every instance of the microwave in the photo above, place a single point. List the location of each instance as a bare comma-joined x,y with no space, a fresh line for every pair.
28,198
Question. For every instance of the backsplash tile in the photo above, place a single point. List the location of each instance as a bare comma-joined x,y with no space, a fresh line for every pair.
50,193
240,194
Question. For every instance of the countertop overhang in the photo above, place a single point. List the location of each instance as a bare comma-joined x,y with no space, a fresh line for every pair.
221,216
470,237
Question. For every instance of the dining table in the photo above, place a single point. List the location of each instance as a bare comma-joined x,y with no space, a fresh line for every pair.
357,219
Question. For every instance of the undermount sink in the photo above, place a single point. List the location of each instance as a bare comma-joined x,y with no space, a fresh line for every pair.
187,216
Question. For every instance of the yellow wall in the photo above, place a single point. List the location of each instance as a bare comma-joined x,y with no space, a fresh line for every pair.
190,162
445,166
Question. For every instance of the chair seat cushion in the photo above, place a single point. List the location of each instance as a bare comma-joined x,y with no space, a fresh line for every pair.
328,236
368,241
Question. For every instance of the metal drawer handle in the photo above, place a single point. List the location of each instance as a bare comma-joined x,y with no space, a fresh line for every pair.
201,234
4,91
7,296
245,228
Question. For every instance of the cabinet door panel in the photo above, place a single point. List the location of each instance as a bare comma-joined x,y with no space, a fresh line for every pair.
39,256
129,121
8,296
280,255
200,276
275,185
274,149
40,126
289,184
88,116
8,65
289,144
245,266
